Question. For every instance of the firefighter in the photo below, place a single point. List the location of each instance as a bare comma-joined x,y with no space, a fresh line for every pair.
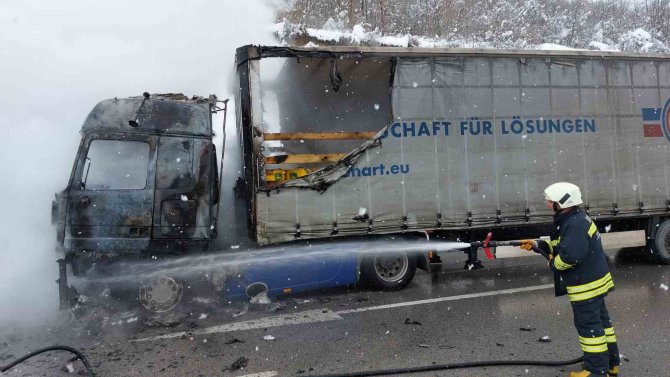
581,271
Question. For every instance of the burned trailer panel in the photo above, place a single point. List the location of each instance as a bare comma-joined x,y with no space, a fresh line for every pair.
473,139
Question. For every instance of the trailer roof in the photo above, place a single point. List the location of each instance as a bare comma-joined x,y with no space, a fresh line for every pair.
258,52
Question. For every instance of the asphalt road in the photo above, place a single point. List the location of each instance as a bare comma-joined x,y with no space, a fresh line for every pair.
450,317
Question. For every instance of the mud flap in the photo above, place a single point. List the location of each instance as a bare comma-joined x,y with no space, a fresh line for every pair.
68,296
423,262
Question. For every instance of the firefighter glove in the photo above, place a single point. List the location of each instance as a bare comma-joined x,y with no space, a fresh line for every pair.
528,244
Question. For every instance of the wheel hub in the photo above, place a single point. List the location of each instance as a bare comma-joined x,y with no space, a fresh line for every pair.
391,267
161,294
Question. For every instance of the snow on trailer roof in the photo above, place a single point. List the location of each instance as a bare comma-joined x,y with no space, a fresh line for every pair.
258,52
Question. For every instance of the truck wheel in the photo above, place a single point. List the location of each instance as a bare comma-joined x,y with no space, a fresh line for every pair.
161,294
660,246
388,271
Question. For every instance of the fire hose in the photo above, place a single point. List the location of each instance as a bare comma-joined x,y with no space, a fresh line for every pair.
78,355
487,244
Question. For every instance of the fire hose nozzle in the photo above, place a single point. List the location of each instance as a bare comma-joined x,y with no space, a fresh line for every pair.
487,244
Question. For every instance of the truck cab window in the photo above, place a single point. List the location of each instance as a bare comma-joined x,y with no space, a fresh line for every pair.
116,165
175,163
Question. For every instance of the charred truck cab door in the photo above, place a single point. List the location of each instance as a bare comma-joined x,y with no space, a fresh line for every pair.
182,203
111,199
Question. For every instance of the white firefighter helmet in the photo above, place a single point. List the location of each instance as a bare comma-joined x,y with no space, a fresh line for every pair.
564,193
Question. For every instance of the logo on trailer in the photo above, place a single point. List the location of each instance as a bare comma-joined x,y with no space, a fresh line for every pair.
656,121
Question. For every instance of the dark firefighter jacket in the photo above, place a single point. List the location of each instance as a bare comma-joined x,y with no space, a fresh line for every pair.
579,263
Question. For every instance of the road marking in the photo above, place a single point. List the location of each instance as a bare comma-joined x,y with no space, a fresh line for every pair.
325,315
309,316
450,298
262,374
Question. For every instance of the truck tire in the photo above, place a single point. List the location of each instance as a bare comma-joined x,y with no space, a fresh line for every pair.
161,294
660,245
388,271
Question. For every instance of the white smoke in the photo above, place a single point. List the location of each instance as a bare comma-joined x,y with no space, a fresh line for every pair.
57,59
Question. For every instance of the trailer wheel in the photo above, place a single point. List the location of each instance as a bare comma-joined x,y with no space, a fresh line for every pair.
660,246
388,271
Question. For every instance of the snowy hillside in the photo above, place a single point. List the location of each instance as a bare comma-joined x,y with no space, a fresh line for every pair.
617,25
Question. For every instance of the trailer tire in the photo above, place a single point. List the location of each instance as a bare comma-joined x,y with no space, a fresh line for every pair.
388,271
660,245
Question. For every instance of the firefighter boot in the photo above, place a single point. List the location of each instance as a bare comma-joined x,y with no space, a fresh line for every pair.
613,372
583,373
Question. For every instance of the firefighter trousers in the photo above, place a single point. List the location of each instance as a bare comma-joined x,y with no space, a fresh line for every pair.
596,335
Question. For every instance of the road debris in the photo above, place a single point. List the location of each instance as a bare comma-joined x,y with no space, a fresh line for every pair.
275,307
233,341
242,312
168,321
664,287
527,328
69,368
500,345
240,363
544,339
423,345
410,322
269,337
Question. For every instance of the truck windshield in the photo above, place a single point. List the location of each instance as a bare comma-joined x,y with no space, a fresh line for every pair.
116,165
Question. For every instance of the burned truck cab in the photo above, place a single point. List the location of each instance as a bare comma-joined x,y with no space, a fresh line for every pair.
144,182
